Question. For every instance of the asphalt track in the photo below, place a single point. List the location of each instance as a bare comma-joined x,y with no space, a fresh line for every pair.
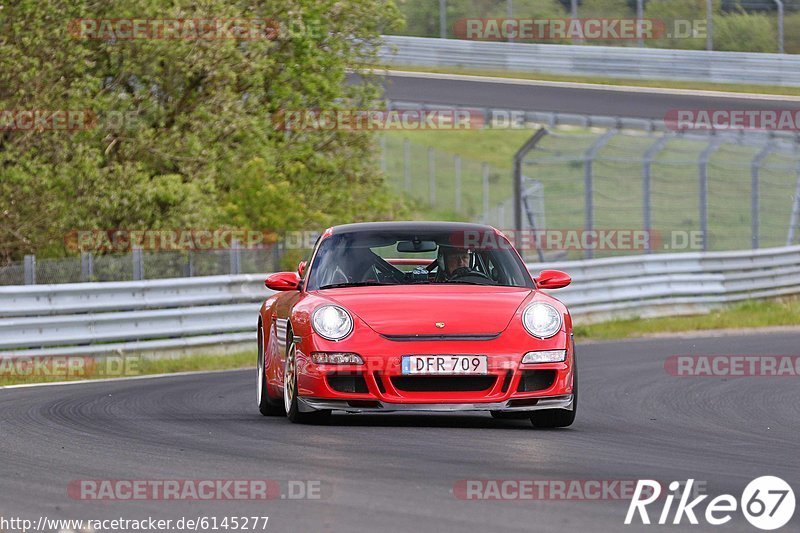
395,472
581,99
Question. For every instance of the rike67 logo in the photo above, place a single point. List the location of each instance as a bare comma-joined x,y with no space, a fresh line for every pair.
767,502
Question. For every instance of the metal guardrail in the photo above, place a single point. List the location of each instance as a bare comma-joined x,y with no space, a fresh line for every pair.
102,318
634,63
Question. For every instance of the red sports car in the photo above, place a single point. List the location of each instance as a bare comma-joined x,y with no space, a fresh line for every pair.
416,316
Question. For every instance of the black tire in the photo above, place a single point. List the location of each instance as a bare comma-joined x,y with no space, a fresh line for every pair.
559,418
291,406
267,405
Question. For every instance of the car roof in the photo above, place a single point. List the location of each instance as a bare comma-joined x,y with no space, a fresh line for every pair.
408,226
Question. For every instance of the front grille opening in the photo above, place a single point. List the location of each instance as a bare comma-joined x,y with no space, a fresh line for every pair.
379,382
352,383
507,381
443,383
523,403
536,380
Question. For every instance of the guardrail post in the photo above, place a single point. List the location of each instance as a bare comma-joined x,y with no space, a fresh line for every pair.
781,17
188,271
30,269
588,185
138,264
457,165
703,185
235,258
87,266
755,195
432,176
649,156
794,223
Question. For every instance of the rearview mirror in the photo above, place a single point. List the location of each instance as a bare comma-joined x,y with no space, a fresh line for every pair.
552,279
416,246
283,281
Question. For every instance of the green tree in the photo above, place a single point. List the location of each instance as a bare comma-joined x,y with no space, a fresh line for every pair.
197,147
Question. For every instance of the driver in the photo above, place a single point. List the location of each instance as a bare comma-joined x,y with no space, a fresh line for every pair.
456,263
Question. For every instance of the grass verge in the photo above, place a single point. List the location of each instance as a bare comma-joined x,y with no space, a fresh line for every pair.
751,314
18,371
599,80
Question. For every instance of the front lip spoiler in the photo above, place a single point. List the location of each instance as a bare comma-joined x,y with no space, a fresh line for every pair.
566,402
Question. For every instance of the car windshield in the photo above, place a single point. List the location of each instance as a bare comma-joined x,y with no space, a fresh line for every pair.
472,257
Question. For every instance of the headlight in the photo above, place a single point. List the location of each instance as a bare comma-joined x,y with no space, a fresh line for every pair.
329,358
331,322
541,320
545,356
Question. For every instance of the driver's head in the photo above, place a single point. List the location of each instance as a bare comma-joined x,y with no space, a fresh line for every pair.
455,258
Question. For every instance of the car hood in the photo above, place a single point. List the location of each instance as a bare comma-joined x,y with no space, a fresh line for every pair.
411,310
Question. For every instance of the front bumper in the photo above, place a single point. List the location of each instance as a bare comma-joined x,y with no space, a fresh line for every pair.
381,386
566,402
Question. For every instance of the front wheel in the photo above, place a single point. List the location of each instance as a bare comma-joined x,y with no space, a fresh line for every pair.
267,405
558,418
290,394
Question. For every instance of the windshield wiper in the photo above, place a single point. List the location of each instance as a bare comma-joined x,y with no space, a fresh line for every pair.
355,284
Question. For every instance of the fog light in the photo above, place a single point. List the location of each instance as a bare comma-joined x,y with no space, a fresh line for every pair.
336,358
545,356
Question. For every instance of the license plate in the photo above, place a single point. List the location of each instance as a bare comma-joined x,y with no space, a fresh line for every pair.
445,364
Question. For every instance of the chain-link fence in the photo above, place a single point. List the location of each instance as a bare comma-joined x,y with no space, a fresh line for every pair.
698,192
140,265
733,25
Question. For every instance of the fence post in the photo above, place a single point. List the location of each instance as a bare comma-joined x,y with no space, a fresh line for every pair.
432,176
781,17
485,169
588,185
443,19
519,157
704,157
710,25
510,14
87,266
573,13
407,164
30,269
383,154
639,18
138,264
235,258
649,156
457,163
755,195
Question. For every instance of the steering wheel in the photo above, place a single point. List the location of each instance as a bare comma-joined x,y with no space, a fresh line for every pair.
465,272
